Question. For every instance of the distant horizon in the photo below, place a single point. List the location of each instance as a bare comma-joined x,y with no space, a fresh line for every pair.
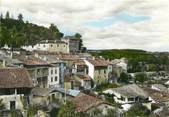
103,25
126,49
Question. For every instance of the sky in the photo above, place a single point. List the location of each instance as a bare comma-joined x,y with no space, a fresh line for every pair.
103,24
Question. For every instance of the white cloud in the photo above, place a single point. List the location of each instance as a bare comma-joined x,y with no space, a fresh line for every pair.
71,15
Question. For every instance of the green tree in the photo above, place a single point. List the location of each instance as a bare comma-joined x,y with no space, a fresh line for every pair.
112,113
137,110
141,77
124,78
67,110
53,28
1,17
7,15
78,36
20,17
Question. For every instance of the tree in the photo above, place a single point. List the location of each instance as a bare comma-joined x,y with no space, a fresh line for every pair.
137,110
20,17
112,113
53,28
78,36
140,77
1,17
7,15
124,78
67,110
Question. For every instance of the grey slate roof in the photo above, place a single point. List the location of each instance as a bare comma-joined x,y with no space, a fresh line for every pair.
131,90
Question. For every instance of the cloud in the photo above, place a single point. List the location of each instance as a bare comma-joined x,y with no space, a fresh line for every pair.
104,24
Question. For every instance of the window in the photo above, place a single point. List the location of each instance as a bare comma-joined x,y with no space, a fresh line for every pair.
56,78
51,71
38,71
44,45
130,99
55,71
57,45
51,45
99,71
51,79
104,71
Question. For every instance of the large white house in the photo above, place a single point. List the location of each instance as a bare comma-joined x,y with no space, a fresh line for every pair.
50,46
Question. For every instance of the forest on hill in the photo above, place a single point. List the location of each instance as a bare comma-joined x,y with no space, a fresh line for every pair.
138,59
16,32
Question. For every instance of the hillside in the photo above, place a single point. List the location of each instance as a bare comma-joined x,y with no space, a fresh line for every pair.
137,58
16,32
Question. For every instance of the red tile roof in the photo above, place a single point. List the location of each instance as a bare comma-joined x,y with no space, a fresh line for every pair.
99,62
84,102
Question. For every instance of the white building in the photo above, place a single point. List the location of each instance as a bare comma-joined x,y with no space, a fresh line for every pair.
55,70
50,46
128,95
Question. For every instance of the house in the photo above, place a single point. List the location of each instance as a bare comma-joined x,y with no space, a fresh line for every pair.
37,68
68,82
85,81
123,62
40,96
98,70
63,95
56,70
128,95
71,83
79,67
50,46
86,103
157,97
15,87
159,87
73,43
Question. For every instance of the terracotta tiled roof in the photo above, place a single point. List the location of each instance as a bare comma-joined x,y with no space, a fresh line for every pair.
83,77
99,62
84,102
79,62
31,60
68,78
69,57
14,78
158,96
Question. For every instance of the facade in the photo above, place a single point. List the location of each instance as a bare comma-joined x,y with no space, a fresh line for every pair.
98,70
37,68
74,44
123,63
79,67
84,80
50,46
129,95
56,70
15,87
